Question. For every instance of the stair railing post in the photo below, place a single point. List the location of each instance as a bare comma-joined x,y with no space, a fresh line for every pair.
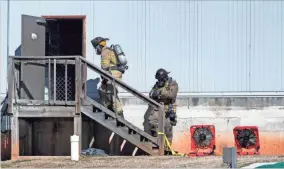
11,110
161,129
114,98
78,85
77,118
11,85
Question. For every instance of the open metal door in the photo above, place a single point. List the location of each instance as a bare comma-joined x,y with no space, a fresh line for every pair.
33,44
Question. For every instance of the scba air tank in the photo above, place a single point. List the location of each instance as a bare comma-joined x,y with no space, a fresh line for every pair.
120,55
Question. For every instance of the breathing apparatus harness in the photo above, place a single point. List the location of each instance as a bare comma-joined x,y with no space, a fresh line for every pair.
120,57
170,104
119,54
171,107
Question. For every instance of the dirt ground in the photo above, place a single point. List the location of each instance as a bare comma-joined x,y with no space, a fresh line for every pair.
138,162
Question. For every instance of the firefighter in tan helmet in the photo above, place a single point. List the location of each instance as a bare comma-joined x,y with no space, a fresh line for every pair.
112,60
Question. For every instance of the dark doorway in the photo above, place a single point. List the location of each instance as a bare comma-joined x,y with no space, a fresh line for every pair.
64,37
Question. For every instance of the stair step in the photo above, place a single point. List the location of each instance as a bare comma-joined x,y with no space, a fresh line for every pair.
121,131
126,130
120,119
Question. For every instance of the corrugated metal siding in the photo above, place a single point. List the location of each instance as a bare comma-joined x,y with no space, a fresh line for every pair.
3,48
209,46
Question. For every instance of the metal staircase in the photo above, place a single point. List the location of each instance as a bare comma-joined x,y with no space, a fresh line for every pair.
53,107
127,131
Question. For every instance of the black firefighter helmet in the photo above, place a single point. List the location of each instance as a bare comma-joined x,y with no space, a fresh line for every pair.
161,74
96,41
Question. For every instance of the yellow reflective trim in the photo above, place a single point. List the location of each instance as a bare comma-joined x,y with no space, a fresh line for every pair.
105,61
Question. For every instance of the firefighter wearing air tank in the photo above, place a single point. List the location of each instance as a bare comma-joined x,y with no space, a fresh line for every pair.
112,60
164,91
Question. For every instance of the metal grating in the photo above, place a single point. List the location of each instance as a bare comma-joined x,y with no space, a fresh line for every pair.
64,84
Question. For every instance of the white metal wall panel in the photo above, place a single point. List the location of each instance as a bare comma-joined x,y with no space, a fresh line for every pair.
209,46
267,68
3,48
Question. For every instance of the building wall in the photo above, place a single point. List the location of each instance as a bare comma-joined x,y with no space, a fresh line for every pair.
269,120
209,46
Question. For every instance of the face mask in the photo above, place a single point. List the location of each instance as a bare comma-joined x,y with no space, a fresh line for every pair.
161,82
98,49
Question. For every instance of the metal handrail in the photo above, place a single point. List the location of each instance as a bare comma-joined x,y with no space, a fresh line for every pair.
43,57
120,83
97,69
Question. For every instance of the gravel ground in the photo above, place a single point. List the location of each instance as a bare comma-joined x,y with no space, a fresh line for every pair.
138,162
